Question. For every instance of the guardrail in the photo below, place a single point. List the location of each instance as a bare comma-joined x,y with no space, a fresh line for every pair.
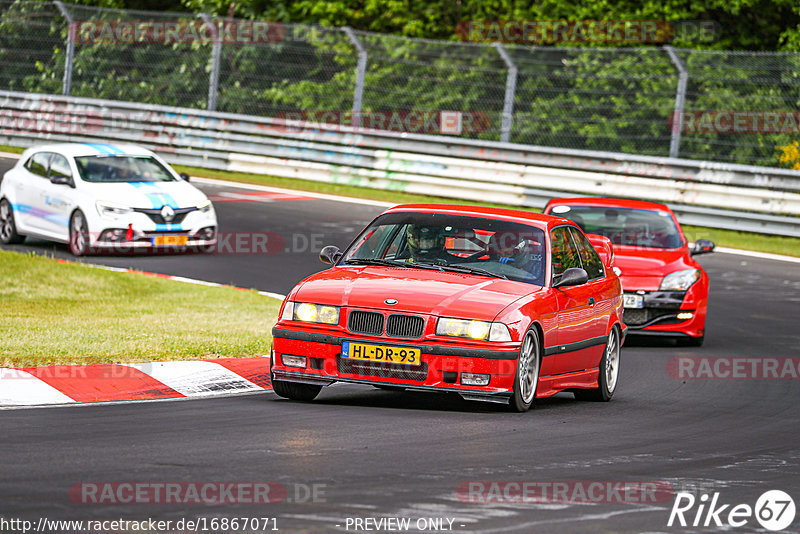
738,197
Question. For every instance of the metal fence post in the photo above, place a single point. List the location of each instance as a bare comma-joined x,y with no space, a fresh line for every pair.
216,54
680,100
511,89
361,70
67,85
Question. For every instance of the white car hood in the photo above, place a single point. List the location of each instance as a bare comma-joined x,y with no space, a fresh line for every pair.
178,194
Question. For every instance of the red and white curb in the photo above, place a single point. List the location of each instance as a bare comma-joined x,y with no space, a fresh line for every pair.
75,384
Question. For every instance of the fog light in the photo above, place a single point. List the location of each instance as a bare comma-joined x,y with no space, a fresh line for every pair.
293,361
474,379
683,316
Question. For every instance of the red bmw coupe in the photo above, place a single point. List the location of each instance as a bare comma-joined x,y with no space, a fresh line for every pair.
666,290
493,304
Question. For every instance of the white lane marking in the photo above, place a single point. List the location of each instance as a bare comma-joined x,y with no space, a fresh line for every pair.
754,254
19,388
194,378
294,192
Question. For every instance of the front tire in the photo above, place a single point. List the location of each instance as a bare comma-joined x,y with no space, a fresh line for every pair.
609,372
295,391
79,242
8,228
691,341
526,380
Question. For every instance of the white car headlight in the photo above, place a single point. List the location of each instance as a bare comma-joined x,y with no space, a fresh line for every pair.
109,209
310,313
205,207
447,326
680,280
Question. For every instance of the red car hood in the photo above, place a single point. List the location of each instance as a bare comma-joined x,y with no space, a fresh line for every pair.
645,268
416,291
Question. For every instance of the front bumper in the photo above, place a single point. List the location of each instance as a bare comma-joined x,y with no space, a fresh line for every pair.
441,368
661,314
199,228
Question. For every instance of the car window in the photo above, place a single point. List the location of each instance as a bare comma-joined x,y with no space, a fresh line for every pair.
453,242
122,169
589,257
38,163
563,251
59,166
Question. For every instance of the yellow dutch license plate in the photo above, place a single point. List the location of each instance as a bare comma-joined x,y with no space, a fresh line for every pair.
170,240
379,353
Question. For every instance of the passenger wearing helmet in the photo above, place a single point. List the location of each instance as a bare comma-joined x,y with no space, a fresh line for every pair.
426,244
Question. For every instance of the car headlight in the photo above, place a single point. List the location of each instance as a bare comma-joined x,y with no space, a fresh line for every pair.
109,209
447,326
205,207
680,280
310,313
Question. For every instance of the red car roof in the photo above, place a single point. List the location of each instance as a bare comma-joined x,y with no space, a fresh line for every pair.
609,202
524,217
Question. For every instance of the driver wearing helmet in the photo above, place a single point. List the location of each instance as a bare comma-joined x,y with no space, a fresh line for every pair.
427,244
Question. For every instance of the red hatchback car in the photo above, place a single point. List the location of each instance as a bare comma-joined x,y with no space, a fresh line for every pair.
666,290
492,304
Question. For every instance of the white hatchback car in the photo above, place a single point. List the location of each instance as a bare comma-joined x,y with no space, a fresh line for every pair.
96,196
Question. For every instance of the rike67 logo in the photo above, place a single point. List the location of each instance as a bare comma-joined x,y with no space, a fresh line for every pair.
774,510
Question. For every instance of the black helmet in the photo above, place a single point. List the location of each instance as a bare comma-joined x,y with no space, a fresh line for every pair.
424,240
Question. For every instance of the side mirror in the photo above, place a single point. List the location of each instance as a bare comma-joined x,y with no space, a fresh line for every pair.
60,179
702,246
573,276
184,176
330,254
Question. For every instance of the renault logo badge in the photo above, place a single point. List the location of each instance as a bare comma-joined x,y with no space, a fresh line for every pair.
167,213
390,302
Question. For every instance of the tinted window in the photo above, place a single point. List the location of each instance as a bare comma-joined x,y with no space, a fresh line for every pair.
38,163
452,242
589,257
59,166
564,252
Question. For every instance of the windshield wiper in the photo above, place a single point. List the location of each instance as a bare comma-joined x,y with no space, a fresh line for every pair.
376,261
473,270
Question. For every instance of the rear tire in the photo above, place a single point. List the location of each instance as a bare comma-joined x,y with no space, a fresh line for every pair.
8,228
295,391
609,372
526,380
79,241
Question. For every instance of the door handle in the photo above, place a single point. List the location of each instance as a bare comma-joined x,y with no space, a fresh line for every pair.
591,301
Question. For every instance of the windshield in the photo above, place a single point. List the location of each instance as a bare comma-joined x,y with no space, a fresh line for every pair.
625,226
122,169
473,245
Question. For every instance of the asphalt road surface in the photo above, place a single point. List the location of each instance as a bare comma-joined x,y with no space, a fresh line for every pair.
378,454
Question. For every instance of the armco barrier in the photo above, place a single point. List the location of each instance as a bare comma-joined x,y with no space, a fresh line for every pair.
736,197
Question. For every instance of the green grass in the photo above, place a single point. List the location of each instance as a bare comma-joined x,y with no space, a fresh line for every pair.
67,313
789,246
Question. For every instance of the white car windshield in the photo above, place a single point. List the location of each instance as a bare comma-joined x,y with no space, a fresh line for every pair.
122,169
